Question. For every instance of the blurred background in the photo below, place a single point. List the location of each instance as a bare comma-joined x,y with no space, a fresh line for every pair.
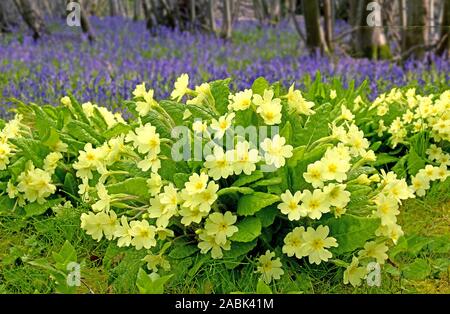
100,49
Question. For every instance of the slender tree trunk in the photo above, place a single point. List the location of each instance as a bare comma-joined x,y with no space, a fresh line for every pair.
370,38
85,23
403,19
32,17
137,10
274,9
417,28
4,22
444,40
113,7
211,16
147,13
312,24
192,13
226,27
353,12
329,23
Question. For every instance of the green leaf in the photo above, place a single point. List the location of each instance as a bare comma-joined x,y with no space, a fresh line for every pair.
415,162
84,132
183,249
287,132
77,110
33,150
52,139
416,243
235,189
70,184
259,85
316,127
418,270
6,203
297,155
220,91
249,229
180,179
352,232
359,197
116,130
155,120
239,249
132,186
267,215
400,167
355,173
250,204
99,120
383,159
66,255
147,285
17,167
266,182
298,182
246,179
262,288
35,209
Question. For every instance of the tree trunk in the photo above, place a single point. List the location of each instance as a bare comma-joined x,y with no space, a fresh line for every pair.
371,40
5,27
312,24
329,23
226,27
353,12
274,9
192,13
85,24
444,40
211,16
417,28
32,17
147,13
113,7
137,10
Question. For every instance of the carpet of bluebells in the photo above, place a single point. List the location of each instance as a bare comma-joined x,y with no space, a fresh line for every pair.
126,54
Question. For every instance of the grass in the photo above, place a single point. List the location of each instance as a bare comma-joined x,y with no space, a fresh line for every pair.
419,264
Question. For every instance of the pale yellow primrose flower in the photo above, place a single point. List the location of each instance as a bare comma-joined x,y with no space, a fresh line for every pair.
218,165
297,104
316,244
181,87
333,94
268,107
314,174
145,139
375,250
276,151
5,154
123,232
208,242
315,204
269,268
354,274
221,226
222,125
290,205
293,243
243,159
36,184
154,262
241,100
143,234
